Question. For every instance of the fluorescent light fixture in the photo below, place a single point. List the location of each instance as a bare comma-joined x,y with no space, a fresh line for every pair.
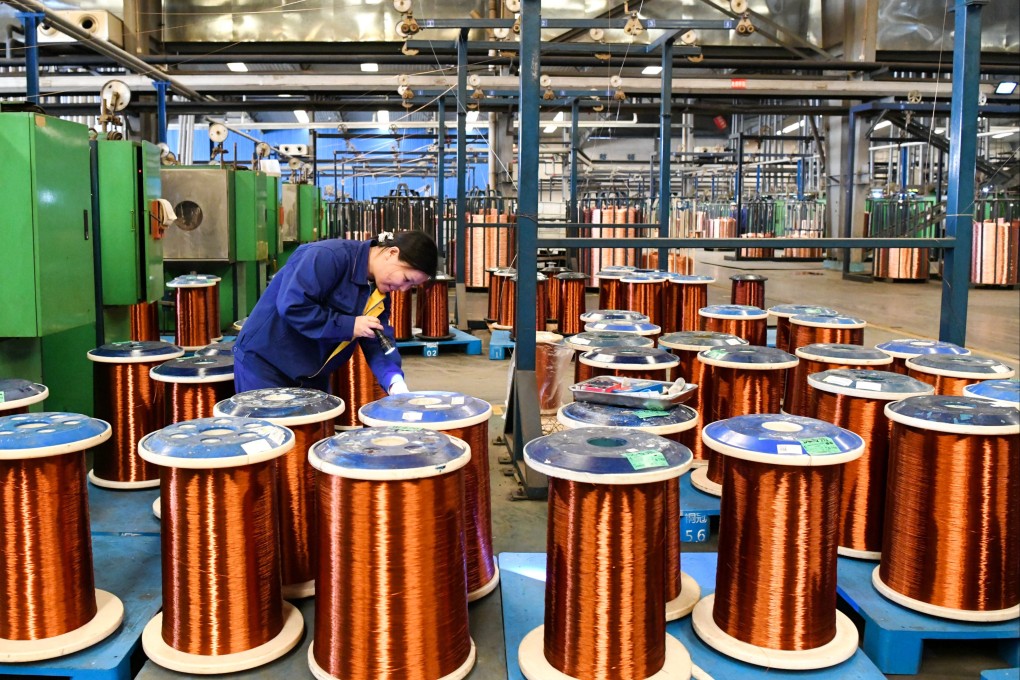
302,116
1006,87
792,127
939,131
549,129
1002,135
559,117
882,125
382,117
472,116
285,96
237,66
370,67
651,70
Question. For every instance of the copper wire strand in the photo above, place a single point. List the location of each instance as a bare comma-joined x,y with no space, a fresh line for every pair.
481,563
128,399
644,298
493,297
507,302
994,261
188,401
783,333
604,595
950,534
801,335
193,317
943,384
776,580
571,306
739,392
391,600
541,308
400,314
693,296
46,577
671,295
700,374
553,293
750,293
795,395
213,306
902,263
144,321
436,321
221,560
862,498
671,546
610,293
354,382
296,504
755,331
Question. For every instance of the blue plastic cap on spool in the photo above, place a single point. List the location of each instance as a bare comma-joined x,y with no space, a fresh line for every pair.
969,366
904,348
633,358
135,351
868,384
635,277
431,410
955,414
217,349
751,357
291,406
207,443
828,321
689,279
794,310
195,370
644,328
389,453
19,393
607,455
588,414
38,435
193,281
783,439
592,339
1005,391
733,312
617,315
852,355
699,340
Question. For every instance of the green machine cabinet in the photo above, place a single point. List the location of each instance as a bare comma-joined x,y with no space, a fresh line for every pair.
309,212
250,216
273,234
48,307
300,211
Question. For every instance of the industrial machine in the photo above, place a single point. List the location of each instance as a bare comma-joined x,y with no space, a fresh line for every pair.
302,210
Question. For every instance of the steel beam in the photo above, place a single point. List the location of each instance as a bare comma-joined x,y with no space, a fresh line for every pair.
665,146
440,172
461,226
30,20
946,244
619,49
584,24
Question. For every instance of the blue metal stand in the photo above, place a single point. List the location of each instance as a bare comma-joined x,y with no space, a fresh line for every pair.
1001,674
162,87
31,20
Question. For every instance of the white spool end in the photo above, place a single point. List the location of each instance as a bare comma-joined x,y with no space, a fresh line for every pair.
683,604
123,486
459,674
859,554
531,658
701,482
485,589
299,591
157,509
200,664
839,649
109,614
700,463
943,612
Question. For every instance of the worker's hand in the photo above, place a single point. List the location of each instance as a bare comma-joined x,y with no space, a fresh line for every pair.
398,386
365,326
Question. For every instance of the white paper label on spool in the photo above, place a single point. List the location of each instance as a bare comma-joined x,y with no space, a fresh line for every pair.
411,416
836,380
866,385
795,449
1000,369
256,446
733,341
580,341
457,401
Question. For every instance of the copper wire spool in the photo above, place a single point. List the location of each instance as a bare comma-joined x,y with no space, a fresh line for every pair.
954,462
950,373
826,357
748,289
376,501
493,296
855,400
356,385
193,312
51,605
782,314
687,295
127,398
222,607
902,349
996,257
17,394
400,314
144,321
902,264
589,340
435,324
553,290
643,294
572,302
638,363
548,353
605,518
749,323
190,387
213,307
685,346
812,329
611,287
745,380
310,415
507,298
541,306
775,598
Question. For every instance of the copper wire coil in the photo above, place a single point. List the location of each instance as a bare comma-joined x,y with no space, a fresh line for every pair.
996,256
740,392
132,402
221,568
681,261
670,294
610,293
770,591
550,386
188,401
971,482
435,324
691,297
213,307
906,264
783,333
193,316
645,298
355,383
592,629
801,335
46,571
493,296
582,372
296,504
420,306
755,331
700,374
144,321
943,384
750,292
898,365
553,289
507,301
419,599
541,308
756,253
796,398
572,306
400,314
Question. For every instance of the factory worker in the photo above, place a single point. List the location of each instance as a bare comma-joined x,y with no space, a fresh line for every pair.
330,295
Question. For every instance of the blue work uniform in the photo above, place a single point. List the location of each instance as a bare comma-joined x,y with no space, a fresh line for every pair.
308,309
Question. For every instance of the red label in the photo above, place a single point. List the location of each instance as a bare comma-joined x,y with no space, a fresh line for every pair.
720,122
738,84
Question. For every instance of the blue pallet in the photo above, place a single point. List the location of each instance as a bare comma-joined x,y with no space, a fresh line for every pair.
128,567
500,345
122,513
1001,674
460,341
894,635
522,584
696,507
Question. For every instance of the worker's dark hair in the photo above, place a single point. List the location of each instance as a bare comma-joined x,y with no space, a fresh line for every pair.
417,249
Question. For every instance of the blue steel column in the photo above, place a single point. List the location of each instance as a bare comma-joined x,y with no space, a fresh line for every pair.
527,180
962,160
441,175
575,110
665,146
161,88
848,187
31,22
800,179
462,100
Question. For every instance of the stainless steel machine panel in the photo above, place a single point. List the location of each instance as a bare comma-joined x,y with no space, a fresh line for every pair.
203,199
289,226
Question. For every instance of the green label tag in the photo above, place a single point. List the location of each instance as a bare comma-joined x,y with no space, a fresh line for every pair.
3,397
648,413
640,460
819,446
